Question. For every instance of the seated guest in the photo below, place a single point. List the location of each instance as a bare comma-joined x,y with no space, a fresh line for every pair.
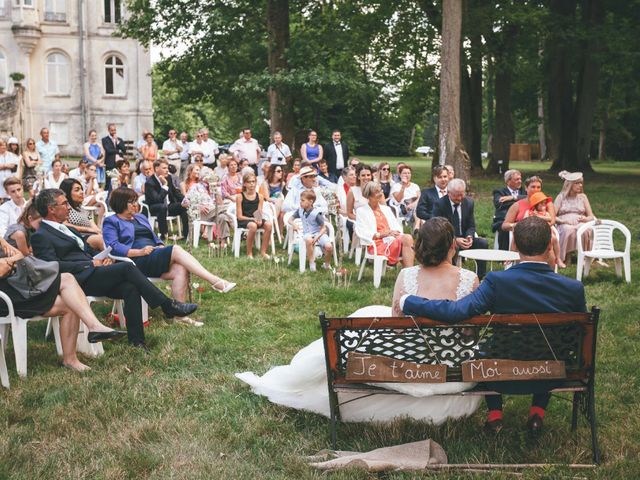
384,178
295,170
91,189
213,208
572,211
129,234
55,176
503,199
306,181
405,195
355,198
528,287
274,189
452,172
323,171
349,179
519,209
430,195
55,242
221,168
377,223
232,182
146,170
18,234
165,199
79,171
78,218
458,209
63,298
396,176
11,210
264,172
539,204
249,213
314,230
124,170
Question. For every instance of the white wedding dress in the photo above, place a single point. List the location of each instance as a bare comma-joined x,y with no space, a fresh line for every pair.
303,383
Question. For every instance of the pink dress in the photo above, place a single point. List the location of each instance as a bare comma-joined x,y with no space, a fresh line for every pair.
568,211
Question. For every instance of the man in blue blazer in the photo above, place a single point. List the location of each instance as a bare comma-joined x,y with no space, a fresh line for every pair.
53,241
430,196
528,287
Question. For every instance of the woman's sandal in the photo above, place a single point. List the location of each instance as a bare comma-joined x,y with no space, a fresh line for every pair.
188,321
226,286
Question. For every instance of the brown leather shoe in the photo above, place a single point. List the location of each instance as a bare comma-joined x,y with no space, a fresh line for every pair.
534,424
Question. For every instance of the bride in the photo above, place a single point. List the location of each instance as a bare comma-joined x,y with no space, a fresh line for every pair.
303,383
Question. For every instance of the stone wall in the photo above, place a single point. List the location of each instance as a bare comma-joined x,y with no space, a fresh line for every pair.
12,113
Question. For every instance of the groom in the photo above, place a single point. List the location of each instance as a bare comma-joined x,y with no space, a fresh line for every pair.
528,287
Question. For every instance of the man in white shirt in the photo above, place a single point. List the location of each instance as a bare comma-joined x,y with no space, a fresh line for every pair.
336,153
184,154
278,152
172,148
308,181
11,210
198,146
48,149
78,173
146,170
247,147
210,148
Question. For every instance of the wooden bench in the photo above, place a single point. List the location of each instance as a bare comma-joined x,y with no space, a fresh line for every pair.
569,337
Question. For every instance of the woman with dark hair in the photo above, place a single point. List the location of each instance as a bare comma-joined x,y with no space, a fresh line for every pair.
274,189
312,151
18,235
124,170
78,218
232,182
129,234
302,383
30,160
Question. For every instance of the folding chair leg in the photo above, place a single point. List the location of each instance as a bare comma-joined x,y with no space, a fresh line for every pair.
626,260
19,334
4,373
55,326
378,266
362,265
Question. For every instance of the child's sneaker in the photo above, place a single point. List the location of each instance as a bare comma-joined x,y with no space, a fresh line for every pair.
312,266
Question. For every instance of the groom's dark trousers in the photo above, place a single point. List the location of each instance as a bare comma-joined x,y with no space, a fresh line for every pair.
528,287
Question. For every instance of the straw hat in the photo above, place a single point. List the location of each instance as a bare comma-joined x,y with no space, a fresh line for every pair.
307,171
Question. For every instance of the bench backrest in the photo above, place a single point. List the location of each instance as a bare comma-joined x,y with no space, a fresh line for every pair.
571,336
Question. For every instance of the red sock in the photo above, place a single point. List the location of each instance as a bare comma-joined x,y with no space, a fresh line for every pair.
494,415
538,410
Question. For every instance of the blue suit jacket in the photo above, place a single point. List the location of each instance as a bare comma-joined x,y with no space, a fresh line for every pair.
524,288
428,198
119,234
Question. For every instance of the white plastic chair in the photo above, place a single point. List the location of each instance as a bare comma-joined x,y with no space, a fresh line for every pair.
379,261
603,247
4,373
197,226
238,231
18,333
296,238
144,207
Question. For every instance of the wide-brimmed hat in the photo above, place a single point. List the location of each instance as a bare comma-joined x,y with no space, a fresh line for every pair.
13,140
305,171
570,176
536,198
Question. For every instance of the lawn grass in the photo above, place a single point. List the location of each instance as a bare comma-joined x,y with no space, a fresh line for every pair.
180,413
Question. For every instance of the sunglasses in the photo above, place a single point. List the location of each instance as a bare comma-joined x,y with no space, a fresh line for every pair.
385,169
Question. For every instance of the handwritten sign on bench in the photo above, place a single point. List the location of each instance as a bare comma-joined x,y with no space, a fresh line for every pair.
375,368
494,370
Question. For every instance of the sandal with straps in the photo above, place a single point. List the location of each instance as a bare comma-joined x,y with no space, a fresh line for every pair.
226,286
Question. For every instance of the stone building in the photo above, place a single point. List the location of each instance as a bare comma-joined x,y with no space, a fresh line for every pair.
78,75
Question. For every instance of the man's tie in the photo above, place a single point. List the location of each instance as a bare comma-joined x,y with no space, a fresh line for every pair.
456,220
337,144
63,228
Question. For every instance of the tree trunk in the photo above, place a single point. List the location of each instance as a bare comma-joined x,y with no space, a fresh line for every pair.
504,134
451,151
280,99
560,89
471,104
542,140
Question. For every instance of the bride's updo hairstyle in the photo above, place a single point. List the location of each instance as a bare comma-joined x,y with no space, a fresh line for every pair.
434,241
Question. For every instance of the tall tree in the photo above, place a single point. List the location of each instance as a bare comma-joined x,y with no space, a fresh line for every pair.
450,148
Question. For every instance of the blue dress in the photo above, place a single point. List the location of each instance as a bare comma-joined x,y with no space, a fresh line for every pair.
156,263
94,151
312,152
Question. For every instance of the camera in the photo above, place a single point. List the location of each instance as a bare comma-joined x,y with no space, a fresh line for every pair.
280,159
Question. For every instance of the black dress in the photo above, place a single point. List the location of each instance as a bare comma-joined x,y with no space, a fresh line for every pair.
249,208
29,307
158,261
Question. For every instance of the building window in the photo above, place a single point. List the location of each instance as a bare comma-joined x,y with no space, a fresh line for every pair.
4,8
26,3
112,11
55,11
3,72
57,74
114,78
60,132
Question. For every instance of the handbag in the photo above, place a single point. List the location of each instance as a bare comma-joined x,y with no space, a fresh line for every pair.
33,276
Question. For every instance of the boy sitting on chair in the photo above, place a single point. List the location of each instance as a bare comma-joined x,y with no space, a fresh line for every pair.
314,230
